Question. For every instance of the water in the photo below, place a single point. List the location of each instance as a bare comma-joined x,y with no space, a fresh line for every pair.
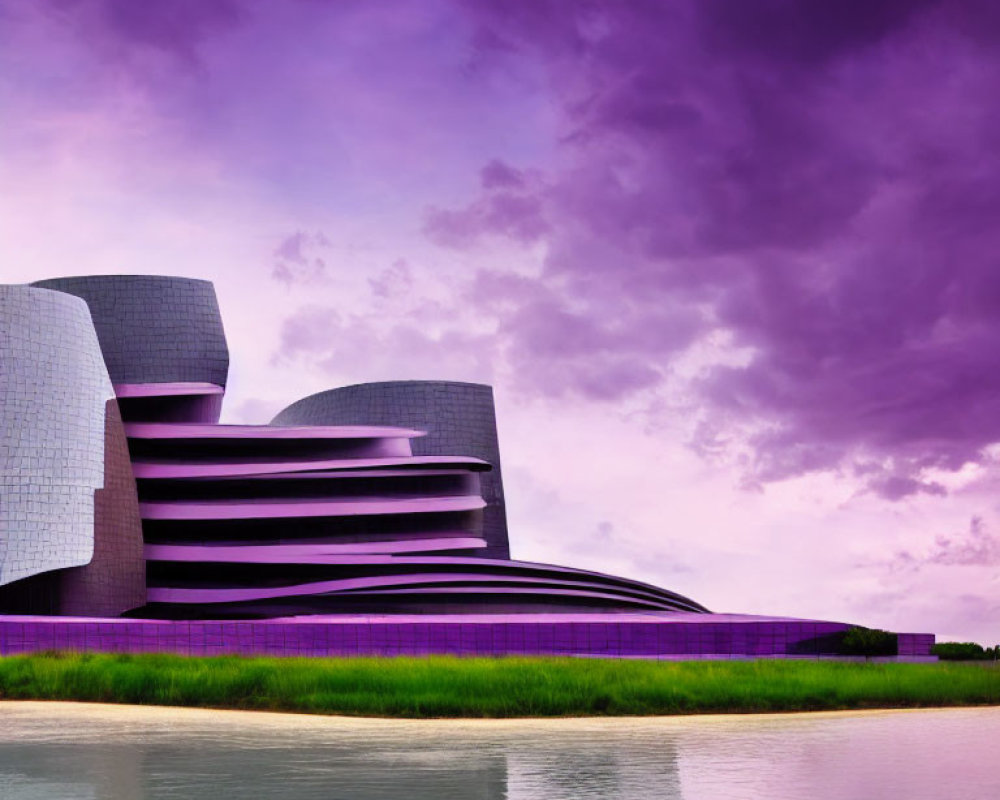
50,751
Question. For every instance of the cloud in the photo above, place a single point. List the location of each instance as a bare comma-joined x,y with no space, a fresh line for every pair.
510,206
296,259
977,547
818,195
120,28
396,281
819,182
896,487
365,347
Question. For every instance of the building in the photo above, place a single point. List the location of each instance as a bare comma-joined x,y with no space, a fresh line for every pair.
367,518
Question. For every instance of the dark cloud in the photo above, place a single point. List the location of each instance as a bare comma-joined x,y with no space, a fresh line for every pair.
497,175
819,181
801,33
172,25
175,27
896,487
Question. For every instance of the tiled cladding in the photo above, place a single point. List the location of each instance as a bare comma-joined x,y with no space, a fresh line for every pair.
656,636
115,579
458,418
53,393
152,328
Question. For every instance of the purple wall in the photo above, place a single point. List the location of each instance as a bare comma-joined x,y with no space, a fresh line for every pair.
670,636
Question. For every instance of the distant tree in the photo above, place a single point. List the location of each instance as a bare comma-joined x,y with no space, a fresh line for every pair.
963,651
869,642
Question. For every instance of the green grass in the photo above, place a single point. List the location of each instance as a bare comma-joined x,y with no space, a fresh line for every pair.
502,687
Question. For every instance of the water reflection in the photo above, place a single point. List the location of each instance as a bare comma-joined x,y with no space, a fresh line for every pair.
55,751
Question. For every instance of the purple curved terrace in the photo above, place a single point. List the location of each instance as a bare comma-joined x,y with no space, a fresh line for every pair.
175,389
153,470
302,553
166,430
270,509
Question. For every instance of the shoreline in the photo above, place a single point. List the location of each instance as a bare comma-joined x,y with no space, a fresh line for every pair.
133,710
476,688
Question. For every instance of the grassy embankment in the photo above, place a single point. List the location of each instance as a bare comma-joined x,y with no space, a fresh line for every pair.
504,687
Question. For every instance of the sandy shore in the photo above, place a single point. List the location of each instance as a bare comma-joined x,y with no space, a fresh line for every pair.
112,712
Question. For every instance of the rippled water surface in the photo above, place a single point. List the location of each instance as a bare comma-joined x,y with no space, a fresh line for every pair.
50,751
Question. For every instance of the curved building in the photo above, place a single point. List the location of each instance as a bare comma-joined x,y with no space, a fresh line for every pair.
162,340
382,497
457,418
265,521
367,519
230,506
70,537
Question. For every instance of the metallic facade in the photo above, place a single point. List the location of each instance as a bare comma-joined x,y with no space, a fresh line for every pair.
360,516
152,328
70,537
457,418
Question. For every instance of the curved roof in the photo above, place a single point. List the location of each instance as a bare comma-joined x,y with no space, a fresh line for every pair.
459,417
153,328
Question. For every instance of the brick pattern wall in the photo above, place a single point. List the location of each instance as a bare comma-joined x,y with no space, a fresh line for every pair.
53,392
459,418
115,580
154,329
610,636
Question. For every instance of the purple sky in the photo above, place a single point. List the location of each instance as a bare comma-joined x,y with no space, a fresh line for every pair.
731,265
